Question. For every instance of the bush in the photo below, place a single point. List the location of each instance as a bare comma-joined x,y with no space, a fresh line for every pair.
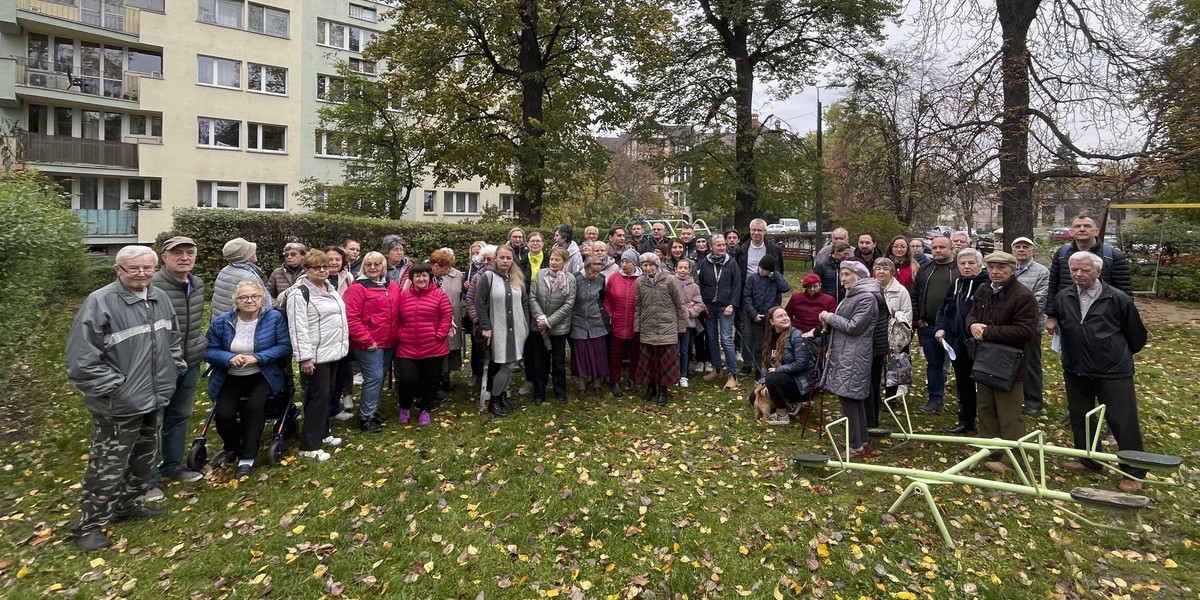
881,222
41,253
1175,282
212,228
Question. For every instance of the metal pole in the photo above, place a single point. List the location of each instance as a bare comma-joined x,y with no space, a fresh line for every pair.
819,184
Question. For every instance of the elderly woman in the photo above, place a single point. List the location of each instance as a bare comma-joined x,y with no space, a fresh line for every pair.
450,280
620,298
241,256
341,402
285,276
950,328
395,251
805,308
551,301
899,326
659,320
790,364
486,258
693,305
372,310
247,348
608,265
906,266
421,342
501,304
851,345
317,320
589,327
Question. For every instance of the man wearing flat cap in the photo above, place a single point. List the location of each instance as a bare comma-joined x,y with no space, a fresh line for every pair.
1035,276
1004,312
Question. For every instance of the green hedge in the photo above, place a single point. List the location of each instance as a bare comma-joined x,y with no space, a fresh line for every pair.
271,230
41,255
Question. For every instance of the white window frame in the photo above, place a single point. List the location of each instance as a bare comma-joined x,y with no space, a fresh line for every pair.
459,203
364,13
267,12
262,79
214,71
256,196
254,138
511,199
214,190
429,202
326,140
324,26
216,6
327,82
359,65
212,133
150,124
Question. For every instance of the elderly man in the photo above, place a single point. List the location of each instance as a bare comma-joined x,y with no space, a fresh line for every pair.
124,355
1004,312
1085,236
838,235
752,250
186,292
960,240
658,237
285,275
1036,277
591,233
1101,331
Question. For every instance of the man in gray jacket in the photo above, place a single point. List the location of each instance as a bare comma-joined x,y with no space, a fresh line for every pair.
186,292
124,354
1036,277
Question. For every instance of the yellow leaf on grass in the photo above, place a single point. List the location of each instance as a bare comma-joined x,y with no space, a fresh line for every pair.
96,562
905,595
1170,564
299,529
552,593
743,550
258,579
778,595
22,572
822,551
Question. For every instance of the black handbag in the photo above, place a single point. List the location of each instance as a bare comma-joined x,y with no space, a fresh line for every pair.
997,365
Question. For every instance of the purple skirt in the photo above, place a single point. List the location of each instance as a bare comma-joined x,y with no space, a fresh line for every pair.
658,365
589,358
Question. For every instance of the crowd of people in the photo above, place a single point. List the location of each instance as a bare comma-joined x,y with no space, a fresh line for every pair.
638,313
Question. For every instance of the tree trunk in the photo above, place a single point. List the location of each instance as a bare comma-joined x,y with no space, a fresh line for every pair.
531,160
1016,179
744,131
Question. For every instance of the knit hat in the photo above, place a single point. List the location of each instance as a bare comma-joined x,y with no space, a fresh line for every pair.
811,278
238,250
630,255
767,263
856,267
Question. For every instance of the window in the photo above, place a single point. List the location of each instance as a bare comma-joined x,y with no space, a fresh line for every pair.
342,37
269,21
145,61
268,80
362,66
219,133
430,199
217,194
266,137
331,89
145,125
145,190
220,72
112,127
365,13
331,144
36,121
63,118
265,196
507,201
460,203
38,55
90,129
227,13
155,5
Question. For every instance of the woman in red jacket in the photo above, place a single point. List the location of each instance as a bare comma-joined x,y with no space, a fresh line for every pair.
620,296
372,310
421,341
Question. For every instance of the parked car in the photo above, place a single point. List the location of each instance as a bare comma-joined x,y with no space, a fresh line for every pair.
788,225
1062,234
776,229
673,225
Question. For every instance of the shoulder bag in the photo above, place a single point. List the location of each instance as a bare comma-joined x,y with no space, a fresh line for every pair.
997,365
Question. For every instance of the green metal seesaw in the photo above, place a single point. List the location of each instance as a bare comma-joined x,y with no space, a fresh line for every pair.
1031,442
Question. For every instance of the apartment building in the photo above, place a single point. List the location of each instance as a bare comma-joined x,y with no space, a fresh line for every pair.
138,107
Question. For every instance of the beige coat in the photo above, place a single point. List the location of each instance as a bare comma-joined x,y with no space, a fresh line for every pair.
658,316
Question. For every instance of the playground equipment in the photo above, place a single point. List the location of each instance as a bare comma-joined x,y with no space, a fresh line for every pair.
1158,263
1031,482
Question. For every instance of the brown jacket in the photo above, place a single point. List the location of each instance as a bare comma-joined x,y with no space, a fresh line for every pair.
1011,316
658,315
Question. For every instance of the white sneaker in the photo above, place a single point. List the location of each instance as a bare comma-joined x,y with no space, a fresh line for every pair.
319,455
358,379
526,388
708,367
348,402
683,382
345,415
699,367
332,441
154,494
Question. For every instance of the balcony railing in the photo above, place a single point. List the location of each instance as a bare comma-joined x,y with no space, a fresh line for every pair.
108,222
122,19
62,77
76,151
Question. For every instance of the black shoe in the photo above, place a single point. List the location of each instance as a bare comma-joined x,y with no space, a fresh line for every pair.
1029,411
243,471
662,397
633,388
139,513
378,420
496,408
562,399
227,457
931,408
744,371
960,428
445,385
93,540
650,391
369,425
596,392
538,401
508,407
616,390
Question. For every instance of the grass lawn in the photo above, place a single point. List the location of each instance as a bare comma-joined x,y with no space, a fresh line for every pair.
598,499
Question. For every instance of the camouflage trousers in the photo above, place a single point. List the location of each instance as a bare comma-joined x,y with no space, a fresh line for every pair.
119,467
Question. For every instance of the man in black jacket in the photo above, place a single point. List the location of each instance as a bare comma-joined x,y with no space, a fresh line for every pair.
750,252
1101,331
928,293
1116,264
868,249
828,269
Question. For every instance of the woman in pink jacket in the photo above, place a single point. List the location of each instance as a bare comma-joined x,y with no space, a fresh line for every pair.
422,332
620,297
372,311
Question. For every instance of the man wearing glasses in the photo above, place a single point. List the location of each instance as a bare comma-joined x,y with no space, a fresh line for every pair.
124,355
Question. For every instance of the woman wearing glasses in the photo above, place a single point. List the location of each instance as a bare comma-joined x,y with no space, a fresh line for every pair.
247,347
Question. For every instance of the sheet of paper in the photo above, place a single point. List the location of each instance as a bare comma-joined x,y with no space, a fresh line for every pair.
1056,343
949,350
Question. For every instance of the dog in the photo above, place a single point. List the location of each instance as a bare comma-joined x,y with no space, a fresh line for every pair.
763,407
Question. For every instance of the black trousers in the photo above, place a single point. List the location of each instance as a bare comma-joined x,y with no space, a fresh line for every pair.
964,389
547,363
316,406
872,403
243,396
783,390
417,378
478,355
1120,413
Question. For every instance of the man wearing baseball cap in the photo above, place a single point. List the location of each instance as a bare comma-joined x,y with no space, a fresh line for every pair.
1036,277
186,292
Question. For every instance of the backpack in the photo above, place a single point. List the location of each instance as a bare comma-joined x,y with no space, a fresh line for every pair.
1107,250
280,303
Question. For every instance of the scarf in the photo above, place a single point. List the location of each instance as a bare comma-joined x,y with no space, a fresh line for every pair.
557,280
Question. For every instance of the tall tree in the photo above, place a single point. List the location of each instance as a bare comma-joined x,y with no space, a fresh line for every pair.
510,90
723,49
1174,94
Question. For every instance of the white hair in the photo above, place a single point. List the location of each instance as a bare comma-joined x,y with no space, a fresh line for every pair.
965,251
131,252
758,221
1097,262
962,233
649,257
487,251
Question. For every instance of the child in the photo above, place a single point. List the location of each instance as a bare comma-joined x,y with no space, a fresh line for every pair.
693,305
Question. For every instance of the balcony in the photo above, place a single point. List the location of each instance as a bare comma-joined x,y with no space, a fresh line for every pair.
121,19
64,150
62,78
108,222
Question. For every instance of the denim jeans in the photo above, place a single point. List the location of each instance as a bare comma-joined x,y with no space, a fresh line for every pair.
685,350
374,365
718,321
935,359
176,415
